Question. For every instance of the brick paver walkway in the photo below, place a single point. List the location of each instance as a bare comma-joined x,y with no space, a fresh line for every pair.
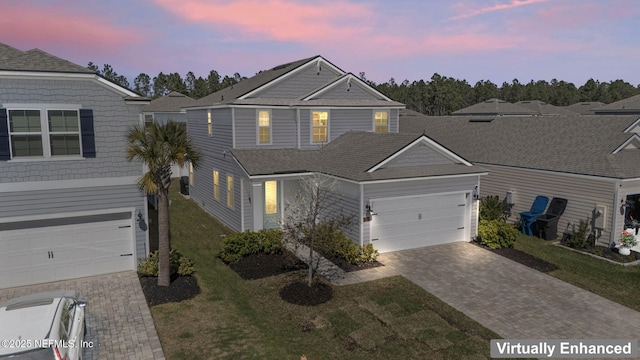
119,322
509,298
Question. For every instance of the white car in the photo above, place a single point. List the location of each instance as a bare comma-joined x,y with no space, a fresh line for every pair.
47,325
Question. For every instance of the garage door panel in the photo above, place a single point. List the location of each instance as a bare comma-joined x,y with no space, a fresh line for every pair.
417,221
64,252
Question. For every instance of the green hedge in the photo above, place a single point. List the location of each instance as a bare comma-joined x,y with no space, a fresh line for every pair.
238,245
496,234
178,264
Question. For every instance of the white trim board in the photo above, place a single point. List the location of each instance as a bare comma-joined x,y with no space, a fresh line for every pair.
68,184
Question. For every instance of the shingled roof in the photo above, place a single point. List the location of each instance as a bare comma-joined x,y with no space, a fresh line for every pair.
172,102
628,105
543,108
494,107
36,60
350,157
578,144
585,107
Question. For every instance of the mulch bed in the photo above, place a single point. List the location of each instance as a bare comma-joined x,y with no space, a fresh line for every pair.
181,288
523,258
300,293
258,266
345,265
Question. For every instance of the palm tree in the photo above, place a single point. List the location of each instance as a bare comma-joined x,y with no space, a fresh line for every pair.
158,147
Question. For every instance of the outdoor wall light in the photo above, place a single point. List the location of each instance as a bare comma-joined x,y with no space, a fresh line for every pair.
141,223
476,193
368,212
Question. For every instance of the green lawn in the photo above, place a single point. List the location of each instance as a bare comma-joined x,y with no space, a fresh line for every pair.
239,319
617,283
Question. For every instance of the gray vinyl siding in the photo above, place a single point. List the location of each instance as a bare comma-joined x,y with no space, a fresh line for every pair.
299,84
283,128
342,91
418,155
346,201
246,203
165,117
343,120
112,119
216,150
61,201
393,120
582,193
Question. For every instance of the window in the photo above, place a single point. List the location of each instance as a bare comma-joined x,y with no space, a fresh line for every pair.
26,133
270,197
216,185
264,127
148,120
320,126
64,132
209,123
381,121
190,174
44,133
230,191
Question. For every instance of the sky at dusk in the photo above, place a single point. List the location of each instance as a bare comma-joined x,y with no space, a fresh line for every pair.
496,40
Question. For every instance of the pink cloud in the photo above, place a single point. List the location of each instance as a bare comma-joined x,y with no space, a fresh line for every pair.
279,20
465,12
55,27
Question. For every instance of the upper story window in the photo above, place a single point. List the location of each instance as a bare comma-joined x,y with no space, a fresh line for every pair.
216,185
230,191
381,121
148,120
44,133
264,127
319,126
209,124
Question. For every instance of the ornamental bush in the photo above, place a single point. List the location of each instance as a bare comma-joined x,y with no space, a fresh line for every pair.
238,245
496,234
491,208
178,264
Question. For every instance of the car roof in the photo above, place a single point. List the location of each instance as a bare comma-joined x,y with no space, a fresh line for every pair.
30,316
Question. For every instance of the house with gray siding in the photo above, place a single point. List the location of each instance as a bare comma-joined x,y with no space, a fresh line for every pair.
593,161
69,204
262,136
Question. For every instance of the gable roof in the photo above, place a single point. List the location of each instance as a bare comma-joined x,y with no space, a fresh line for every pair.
231,93
349,79
585,107
36,60
243,92
628,105
172,102
577,144
542,108
494,107
350,156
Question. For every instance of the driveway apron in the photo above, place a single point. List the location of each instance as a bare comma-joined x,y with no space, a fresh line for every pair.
511,299
119,323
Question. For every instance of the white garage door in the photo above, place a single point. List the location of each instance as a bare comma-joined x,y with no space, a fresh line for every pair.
43,254
417,221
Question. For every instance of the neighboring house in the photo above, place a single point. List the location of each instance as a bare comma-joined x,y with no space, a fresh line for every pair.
69,204
169,108
261,136
593,161
584,108
542,108
630,105
494,107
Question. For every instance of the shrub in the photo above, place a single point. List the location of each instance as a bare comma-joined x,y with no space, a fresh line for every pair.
368,253
491,208
178,264
335,242
579,236
495,234
239,245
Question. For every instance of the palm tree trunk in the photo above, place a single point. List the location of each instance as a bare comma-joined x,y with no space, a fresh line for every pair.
164,276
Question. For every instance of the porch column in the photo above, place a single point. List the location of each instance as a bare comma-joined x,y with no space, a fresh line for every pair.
257,196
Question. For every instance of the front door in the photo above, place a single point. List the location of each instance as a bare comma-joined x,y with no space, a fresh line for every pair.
271,205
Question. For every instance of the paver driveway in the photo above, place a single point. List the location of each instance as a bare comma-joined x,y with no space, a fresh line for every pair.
119,322
509,298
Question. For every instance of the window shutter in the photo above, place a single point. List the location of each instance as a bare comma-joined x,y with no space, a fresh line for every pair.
88,136
5,146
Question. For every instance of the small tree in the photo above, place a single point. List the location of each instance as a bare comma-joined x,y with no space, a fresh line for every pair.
309,210
159,147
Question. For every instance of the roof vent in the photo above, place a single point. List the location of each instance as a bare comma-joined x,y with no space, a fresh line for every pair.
480,120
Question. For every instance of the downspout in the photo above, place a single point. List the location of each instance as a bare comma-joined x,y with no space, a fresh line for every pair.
298,128
616,213
361,214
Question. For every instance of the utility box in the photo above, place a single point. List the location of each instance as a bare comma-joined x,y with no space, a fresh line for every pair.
600,213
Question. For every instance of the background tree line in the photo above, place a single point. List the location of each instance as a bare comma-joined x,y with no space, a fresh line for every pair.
439,95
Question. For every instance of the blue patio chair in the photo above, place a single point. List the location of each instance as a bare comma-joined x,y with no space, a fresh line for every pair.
528,218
